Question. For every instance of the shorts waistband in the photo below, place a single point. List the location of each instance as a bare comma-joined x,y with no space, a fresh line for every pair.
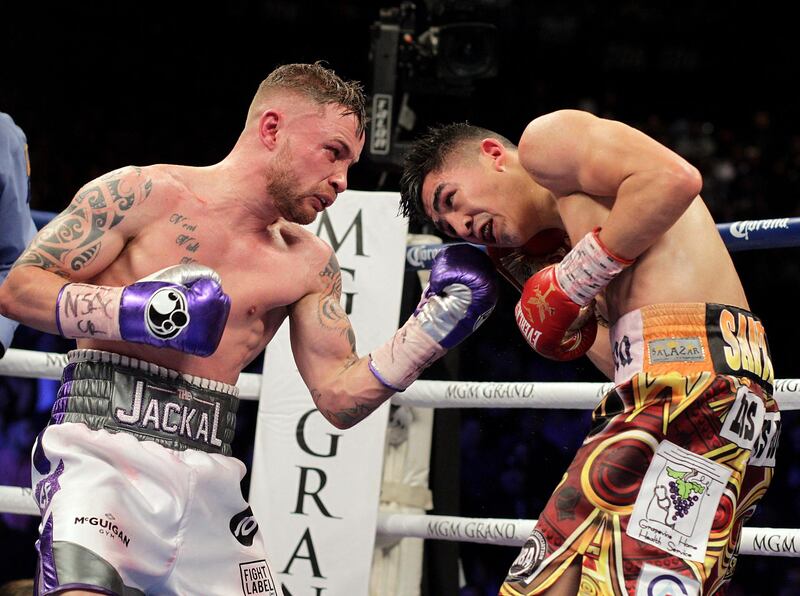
690,338
149,367
104,390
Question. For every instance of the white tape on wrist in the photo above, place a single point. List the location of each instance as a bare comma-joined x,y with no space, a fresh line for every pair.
84,310
399,361
587,269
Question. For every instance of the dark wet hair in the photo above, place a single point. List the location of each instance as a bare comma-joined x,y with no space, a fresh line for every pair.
430,153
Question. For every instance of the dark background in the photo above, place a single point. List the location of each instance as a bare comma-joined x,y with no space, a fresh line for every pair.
96,86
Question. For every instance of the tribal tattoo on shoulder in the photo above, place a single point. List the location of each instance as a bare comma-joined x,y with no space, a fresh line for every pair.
330,313
73,239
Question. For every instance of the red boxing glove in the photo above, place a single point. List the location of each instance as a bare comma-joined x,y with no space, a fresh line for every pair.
556,312
551,322
517,264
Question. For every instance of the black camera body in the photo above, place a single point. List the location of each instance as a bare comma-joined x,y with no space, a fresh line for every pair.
452,51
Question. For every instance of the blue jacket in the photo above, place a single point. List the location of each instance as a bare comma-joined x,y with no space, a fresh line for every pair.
16,225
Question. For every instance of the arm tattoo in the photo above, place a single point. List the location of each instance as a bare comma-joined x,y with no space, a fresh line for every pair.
347,417
330,313
73,239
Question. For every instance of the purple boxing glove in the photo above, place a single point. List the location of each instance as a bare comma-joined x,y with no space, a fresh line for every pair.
181,307
187,311
460,295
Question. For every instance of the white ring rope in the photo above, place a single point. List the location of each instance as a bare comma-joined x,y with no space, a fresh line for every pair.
16,499
774,542
573,396
428,394
461,394
31,364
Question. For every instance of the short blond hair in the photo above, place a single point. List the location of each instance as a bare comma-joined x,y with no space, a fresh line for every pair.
319,84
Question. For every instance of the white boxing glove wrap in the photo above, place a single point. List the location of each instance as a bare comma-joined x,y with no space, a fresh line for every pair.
398,362
588,268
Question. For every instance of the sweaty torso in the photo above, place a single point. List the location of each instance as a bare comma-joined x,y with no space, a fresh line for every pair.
264,269
688,263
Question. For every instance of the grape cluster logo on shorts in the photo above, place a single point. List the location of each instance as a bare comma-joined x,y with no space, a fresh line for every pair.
166,313
244,527
678,502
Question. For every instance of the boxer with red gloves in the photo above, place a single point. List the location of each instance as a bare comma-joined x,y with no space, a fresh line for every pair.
643,248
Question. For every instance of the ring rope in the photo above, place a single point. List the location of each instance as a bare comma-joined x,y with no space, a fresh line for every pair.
774,542
31,364
18,499
547,395
426,394
751,234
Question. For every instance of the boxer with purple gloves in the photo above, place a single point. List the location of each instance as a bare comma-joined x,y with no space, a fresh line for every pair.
460,295
147,431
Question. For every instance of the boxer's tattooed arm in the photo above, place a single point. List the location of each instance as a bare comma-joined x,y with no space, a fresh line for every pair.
331,317
330,313
72,241
344,418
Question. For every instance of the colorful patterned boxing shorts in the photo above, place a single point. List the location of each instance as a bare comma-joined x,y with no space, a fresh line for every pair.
680,453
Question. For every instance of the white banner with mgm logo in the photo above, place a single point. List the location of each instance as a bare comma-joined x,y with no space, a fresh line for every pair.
315,489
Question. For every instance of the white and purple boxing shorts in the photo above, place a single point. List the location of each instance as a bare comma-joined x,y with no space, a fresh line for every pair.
137,488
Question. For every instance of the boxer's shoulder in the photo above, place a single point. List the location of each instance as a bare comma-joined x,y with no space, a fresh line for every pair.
295,237
308,254
131,179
